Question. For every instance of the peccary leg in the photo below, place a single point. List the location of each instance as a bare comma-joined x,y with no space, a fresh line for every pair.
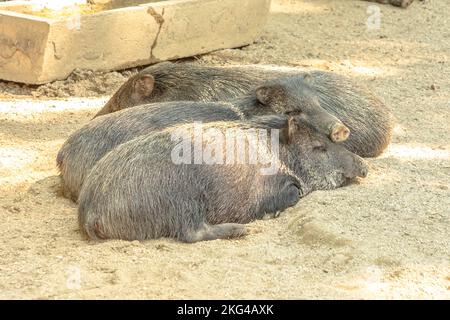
401,3
213,232
397,3
65,192
271,205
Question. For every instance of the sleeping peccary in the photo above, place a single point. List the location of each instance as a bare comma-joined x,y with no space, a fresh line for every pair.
188,182
87,145
370,121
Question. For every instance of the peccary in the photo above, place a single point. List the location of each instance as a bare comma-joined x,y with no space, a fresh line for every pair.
86,146
90,143
140,191
369,120
167,81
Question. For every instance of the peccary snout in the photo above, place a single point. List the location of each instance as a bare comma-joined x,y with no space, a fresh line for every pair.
325,164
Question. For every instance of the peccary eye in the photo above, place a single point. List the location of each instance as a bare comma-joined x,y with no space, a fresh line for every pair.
318,146
293,112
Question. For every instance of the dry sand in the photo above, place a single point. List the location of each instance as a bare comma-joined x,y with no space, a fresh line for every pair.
386,237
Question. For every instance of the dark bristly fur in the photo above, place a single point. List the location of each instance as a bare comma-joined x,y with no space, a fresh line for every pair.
136,192
368,118
87,145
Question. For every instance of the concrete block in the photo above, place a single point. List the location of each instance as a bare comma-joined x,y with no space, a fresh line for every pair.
36,49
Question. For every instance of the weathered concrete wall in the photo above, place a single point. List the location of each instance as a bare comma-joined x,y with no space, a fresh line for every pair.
38,50
22,48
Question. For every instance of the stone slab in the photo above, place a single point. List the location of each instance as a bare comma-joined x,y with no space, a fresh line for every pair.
37,50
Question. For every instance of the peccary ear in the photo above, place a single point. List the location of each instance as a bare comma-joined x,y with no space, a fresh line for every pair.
308,78
266,93
283,123
287,131
143,85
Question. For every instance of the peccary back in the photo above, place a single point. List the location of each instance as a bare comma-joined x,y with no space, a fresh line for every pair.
89,144
370,121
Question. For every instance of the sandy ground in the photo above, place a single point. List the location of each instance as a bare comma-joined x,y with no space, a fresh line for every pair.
386,237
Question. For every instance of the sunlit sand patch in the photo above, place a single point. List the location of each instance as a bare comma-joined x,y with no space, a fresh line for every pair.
361,68
316,64
266,67
298,7
405,151
26,106
400,130
15,158
55,9
366,70
13,162
22,182
54,5
358,68
25,164
398,283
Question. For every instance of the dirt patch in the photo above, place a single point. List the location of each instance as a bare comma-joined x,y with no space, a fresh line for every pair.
80,83
386,237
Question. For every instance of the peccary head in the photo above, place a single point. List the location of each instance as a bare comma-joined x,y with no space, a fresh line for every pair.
318,163
294,96
136,91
